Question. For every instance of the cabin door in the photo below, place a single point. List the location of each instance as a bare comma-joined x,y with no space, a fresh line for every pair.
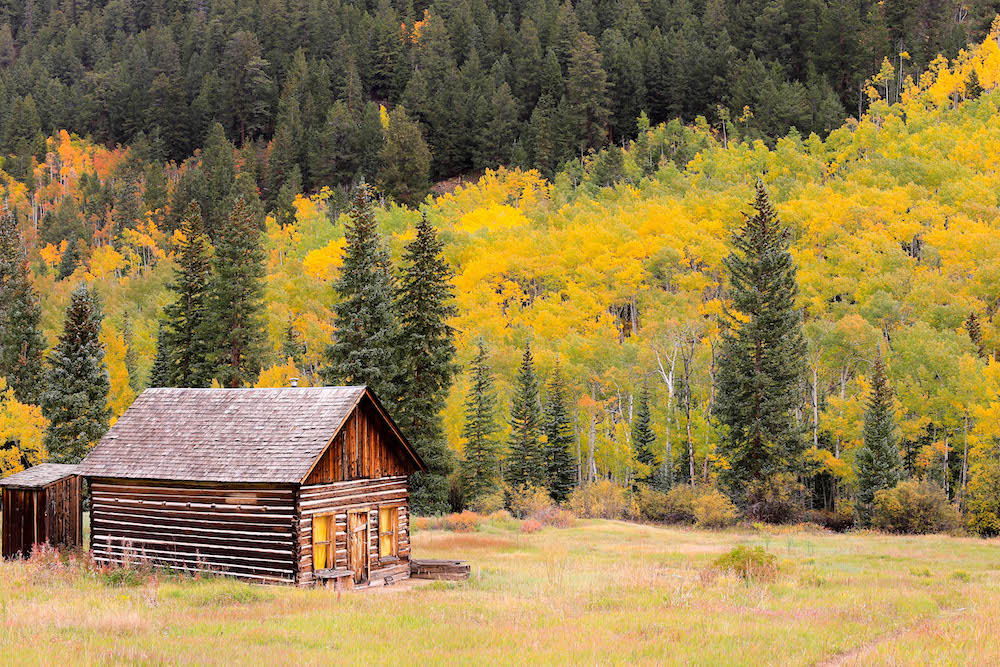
357,544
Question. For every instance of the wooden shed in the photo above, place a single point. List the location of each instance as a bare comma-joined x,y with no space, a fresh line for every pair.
287,485
40,505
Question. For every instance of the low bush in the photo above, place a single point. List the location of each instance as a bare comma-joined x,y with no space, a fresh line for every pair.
914,507
530,526
652,504
557,517
680,504
525,501
750,563
489,503
775,501
602,499
714,510
463,522
839,521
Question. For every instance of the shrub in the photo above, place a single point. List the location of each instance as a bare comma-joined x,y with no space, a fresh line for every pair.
982,505
489,503
748,563
714,510
914,507
556,517
600,500
502,519
775,501
525,501
839,521
465,522
652,504
531,526
680,504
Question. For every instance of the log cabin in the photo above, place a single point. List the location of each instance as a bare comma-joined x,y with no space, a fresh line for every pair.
299,485
40,505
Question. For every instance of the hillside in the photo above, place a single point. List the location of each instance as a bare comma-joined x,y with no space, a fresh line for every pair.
615,268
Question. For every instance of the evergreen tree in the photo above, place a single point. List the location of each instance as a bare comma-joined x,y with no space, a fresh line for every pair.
975,331
75,400
480,466
877,462
587,92
560,473
364,347
762,358
644,439
21,342
236,301
185,337
406,160
427,361
69,261
131,356
159,375
525,456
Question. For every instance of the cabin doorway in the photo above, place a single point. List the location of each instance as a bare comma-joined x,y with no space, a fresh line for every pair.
357,544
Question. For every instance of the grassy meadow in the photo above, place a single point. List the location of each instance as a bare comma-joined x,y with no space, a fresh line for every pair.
597,592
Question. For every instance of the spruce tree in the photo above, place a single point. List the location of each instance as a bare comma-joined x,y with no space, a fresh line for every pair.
364,347
21,343
560,473
525,456
131,356
644,439
159,375
975,330
762,357
75,400
236,302
186,335
480,466
877,462
424,304
69,261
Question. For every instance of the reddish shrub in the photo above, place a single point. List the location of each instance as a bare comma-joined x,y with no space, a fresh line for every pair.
531,526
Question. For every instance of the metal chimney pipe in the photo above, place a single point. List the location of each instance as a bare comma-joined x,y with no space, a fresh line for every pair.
294,382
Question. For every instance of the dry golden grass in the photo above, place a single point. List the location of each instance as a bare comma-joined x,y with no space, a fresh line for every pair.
600,592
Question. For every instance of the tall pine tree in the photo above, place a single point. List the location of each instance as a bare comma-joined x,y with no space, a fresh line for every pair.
644,439
427,361
877,462
236,302
159,374
75,400
560,473
525,457
763,352
480,467
364,348
186,336
21,343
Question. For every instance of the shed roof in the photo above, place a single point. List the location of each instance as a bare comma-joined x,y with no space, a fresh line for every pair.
224,435
39,476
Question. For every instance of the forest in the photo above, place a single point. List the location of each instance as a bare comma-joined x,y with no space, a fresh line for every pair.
581,331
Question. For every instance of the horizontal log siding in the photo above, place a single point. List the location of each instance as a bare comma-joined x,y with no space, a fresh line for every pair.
238,529
340,497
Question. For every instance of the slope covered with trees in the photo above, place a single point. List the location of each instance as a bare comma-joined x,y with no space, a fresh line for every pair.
616,269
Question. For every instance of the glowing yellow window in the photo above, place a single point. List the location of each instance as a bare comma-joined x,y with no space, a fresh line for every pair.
323,553
388,520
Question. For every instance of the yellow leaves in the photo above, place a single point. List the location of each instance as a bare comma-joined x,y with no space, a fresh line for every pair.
105,262
324,264
52,255
114,357
22,428
495,217
825,461
280,375
383,115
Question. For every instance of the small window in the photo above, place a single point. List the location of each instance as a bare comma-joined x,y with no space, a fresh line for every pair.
388,520
323,553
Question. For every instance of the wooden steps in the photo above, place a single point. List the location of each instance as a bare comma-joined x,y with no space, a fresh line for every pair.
446,570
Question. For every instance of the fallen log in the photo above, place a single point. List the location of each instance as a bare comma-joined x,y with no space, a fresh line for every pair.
445,570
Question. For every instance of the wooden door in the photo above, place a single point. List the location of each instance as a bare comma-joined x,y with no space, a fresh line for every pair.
357,544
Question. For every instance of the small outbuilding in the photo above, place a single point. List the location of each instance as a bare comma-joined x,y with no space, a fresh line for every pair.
295,485
41,505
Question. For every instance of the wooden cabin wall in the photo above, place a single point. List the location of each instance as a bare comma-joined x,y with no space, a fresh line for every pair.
365,448
338,498
244,530
23,521
64,513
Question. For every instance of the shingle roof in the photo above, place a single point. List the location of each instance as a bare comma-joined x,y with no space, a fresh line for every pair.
222,435
39,476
